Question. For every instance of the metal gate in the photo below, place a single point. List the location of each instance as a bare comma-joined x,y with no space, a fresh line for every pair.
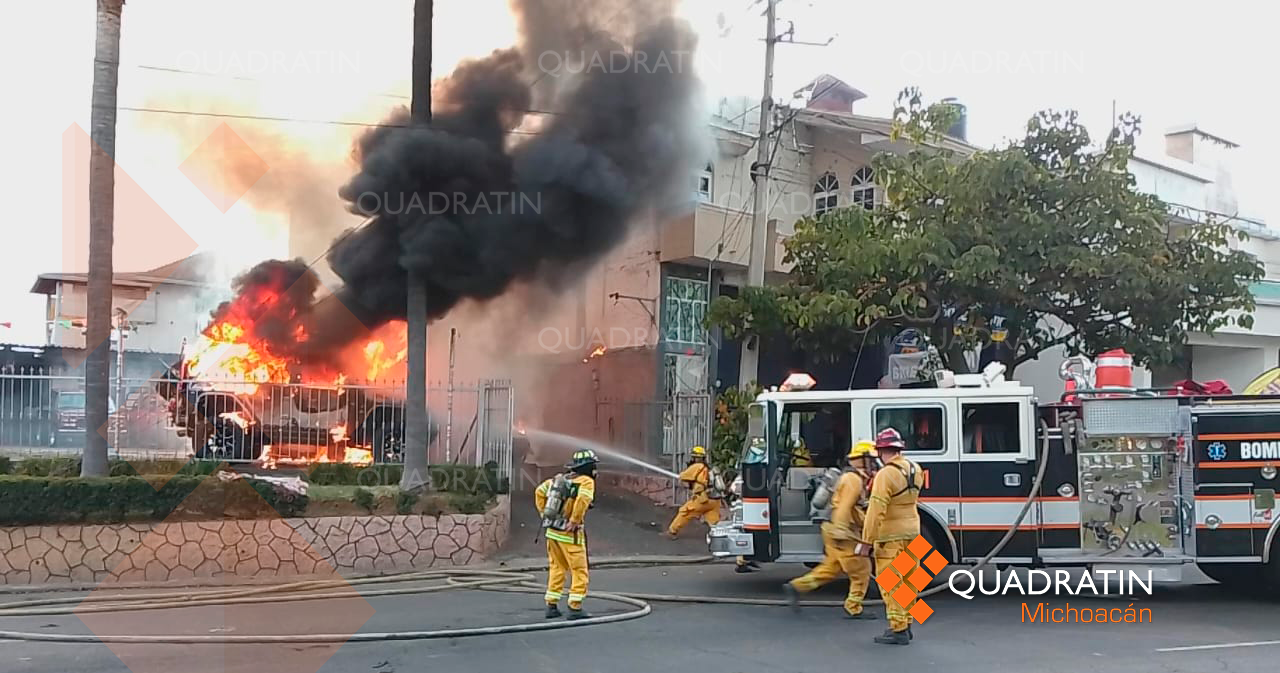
497,420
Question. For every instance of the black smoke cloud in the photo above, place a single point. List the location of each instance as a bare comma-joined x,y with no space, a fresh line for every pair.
473,208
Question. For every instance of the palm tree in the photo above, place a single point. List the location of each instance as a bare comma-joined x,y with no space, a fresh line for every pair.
97,366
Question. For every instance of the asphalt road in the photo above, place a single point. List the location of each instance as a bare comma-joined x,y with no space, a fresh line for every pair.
983,635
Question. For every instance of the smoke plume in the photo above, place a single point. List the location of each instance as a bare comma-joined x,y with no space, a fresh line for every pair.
485,199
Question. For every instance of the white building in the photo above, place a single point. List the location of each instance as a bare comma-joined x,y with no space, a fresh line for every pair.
162,305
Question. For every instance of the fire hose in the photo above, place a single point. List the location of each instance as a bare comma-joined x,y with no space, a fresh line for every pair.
517,579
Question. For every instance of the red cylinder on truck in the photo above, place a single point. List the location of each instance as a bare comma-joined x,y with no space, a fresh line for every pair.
1114,370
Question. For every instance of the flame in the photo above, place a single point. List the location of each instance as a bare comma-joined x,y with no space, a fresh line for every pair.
378,359
520,427
237,418
358,456
599,350
338,433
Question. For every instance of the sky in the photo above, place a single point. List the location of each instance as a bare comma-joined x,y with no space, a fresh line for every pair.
314,62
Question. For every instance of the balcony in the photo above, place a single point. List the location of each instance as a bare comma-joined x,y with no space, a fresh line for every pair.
720,236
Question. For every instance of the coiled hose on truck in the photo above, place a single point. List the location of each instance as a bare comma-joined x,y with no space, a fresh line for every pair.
517,579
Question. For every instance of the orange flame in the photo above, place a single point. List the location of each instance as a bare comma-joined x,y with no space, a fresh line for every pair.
599,350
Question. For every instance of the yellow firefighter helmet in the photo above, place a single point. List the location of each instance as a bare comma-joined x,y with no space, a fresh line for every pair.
699,452
863,448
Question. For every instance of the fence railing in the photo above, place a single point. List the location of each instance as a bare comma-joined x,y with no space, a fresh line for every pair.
42,413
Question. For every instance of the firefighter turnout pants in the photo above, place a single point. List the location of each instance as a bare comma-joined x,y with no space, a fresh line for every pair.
566,569
886,552
700,507
839,559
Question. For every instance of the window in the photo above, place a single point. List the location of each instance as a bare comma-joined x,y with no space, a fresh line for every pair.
826,194
684,306
864,188
991,427
706,183
816,432
921,427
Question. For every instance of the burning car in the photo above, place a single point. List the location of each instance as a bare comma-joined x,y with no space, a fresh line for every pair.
285,421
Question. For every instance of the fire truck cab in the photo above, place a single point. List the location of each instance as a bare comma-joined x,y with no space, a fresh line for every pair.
1131,479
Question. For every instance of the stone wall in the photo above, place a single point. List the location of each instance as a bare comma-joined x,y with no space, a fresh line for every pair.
166,551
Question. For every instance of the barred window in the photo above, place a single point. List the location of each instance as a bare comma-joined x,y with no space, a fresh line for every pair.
684,307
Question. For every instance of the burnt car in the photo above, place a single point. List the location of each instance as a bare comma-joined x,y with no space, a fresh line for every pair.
295,420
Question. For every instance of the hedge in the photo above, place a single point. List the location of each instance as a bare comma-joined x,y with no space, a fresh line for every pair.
464,479
70,467
45,500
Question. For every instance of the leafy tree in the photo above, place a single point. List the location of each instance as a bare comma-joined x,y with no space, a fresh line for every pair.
1042,243
729,434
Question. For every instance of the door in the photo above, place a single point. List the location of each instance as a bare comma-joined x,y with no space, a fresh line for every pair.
928,429
996,443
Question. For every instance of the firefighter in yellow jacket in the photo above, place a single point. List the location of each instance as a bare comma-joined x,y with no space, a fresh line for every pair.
697,478
563,501
893,522
840,535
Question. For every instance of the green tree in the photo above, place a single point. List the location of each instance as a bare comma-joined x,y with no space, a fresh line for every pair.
1044,242
729,434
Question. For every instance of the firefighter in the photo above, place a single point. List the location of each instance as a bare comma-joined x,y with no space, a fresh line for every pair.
892,522
840,535
563,501
697,477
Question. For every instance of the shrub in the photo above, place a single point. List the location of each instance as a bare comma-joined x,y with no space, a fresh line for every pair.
69,466
6,465
363,498
45,500
405,500
468,503
444,478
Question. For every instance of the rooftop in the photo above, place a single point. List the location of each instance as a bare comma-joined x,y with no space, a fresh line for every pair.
189,271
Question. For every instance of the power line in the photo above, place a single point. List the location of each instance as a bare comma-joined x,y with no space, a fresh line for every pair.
297,120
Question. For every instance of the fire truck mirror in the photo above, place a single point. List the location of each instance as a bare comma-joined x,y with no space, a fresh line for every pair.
1264,498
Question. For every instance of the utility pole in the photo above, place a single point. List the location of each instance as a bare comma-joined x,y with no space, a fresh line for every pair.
417,423
749,368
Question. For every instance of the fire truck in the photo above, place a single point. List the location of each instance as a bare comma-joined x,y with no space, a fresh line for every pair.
1107,477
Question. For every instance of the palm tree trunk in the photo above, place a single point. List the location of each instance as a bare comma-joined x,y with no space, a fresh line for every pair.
97,366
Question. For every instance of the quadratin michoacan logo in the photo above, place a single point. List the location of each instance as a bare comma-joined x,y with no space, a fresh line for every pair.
909,574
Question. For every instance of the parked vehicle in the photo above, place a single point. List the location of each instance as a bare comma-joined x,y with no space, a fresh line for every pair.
69,417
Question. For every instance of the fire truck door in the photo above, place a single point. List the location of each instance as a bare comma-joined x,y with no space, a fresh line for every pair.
997,469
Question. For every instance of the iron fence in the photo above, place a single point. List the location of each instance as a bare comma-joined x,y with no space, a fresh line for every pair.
42,413
661,432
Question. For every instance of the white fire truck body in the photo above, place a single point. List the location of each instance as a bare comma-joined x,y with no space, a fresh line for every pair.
1133,479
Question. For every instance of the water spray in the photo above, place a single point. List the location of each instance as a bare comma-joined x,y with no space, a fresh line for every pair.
578,442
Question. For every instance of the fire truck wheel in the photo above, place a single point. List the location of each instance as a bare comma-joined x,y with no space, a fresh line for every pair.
1243,577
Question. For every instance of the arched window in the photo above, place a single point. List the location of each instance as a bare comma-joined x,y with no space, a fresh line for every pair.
864,188
706,184
826,194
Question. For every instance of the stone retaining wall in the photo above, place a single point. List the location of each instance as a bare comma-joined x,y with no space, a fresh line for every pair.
274,547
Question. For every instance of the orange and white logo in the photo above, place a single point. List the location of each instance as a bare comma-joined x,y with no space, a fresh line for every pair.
911,571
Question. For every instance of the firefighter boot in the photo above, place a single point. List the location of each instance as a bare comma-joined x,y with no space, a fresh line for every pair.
553,611
891,637
577,613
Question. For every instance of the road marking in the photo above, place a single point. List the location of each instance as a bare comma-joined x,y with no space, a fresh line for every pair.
1220,646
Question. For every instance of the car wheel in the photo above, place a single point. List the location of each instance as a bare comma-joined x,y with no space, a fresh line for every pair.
388,447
